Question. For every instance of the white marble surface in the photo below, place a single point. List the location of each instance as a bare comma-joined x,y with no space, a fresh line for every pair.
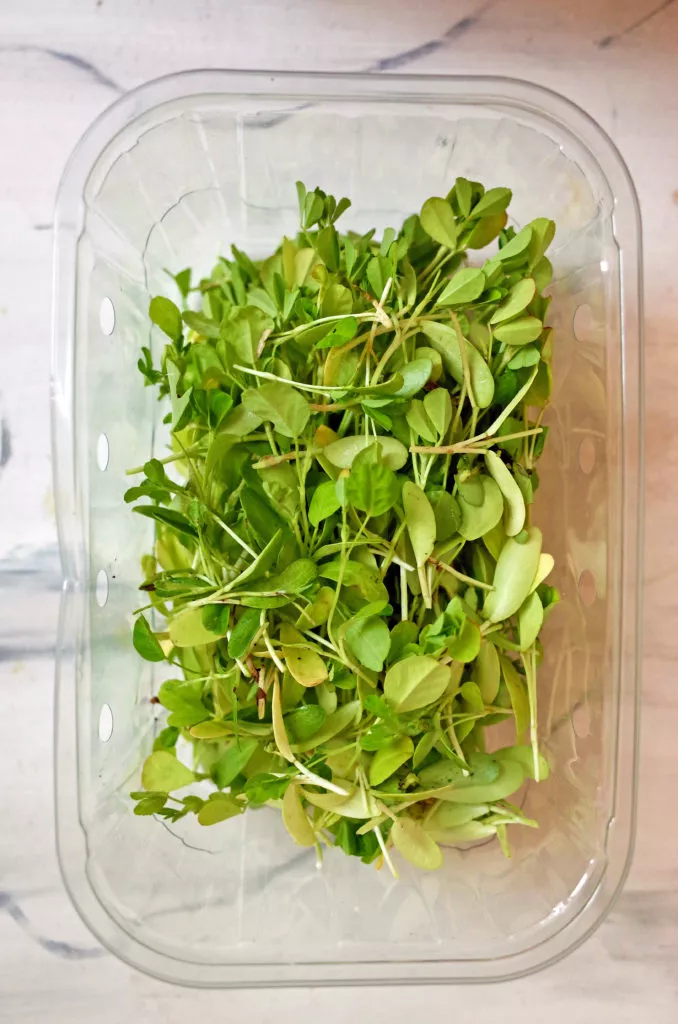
61,63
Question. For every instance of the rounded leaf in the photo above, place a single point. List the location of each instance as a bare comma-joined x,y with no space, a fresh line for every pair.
438,221
516,569
369,641
477,520
389,759
510,778
414,375
516,301
372,489
188,630
415,845
415,682
280,404
444,340
341,453
303,664
163,773
519,332
218,808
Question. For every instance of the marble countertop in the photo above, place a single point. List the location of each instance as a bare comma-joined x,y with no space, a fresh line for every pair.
61,63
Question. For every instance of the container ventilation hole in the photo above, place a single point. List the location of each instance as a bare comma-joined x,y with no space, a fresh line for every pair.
587,588
105,723
107,316
581,721
102,452
583,323
102,588
587,456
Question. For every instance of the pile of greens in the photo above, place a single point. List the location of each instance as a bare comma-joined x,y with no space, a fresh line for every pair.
345,575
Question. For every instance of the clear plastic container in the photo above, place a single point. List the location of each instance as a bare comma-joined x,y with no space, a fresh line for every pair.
169,176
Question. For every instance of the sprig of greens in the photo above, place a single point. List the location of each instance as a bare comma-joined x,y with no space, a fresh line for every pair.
345,573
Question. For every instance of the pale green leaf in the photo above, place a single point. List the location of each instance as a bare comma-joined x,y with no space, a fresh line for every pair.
438,221
163,773
415,682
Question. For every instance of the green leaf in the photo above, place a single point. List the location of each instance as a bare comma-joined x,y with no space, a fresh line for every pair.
151,804
415,682
295,819
473,791
389,759
516,301
167,317
487,672
281,404
187,629
369,640
445,341
324,503
303,664
530,620
448,516
420,520
244,632
477,520
372,489
354,574
416,845
494,201
415,375
485,230
465,646
517,688
402,634
337,301
524,755
341,453
463,288
464,193
438,221
294,579
377,736
302,723
528,355
334,724
145,642
218,808
514,515
517,247
238,422
327,246
519,332
201,324
163,773
184,700
232,761
339,334
438,408
441,773
419,422
516,569
379,272
168,517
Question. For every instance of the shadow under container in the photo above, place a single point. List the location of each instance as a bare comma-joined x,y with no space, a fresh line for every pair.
169,177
